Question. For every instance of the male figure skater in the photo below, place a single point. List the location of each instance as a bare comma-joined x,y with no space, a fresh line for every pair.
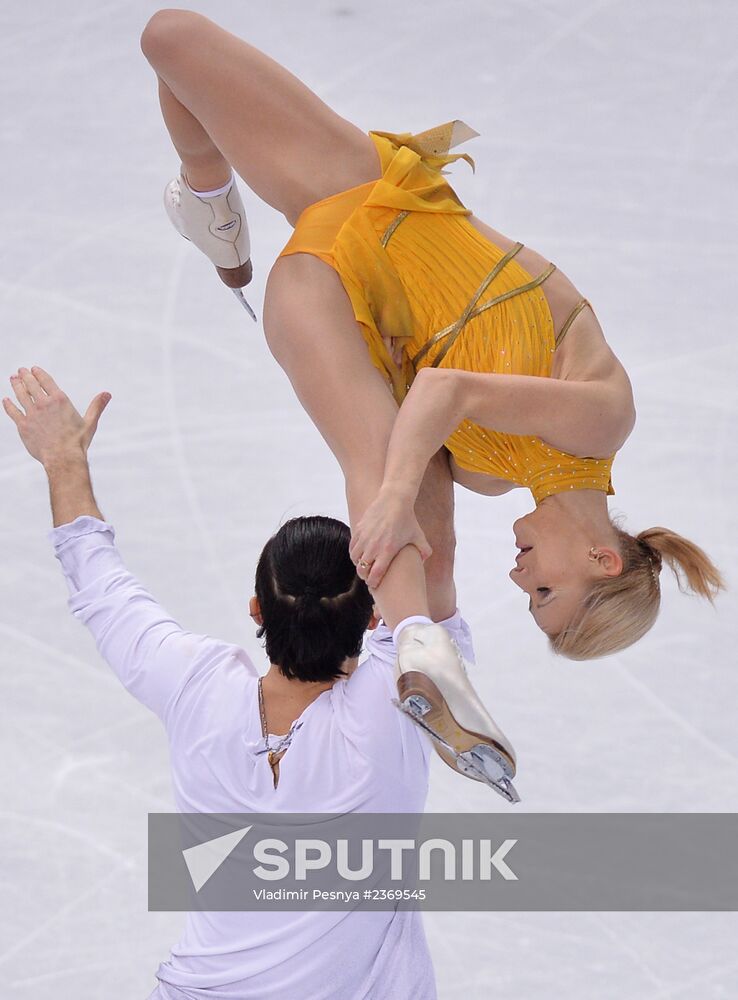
318,733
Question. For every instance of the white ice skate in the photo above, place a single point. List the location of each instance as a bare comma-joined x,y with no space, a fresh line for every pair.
217,226
435,692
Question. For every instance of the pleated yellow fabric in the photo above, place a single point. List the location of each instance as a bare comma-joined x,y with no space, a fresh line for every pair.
411,263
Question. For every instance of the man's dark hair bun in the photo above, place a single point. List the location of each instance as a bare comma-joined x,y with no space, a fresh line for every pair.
314,607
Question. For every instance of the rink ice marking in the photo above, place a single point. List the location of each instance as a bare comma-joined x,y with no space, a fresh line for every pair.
64,658
114,319
671,713
88,840
116,229
694,987
90,670
377,57
64,753
132,722
126,864
144,437
63,910
16,467
93,312
627,949
728,350
66,750
568,26
697,114
168,340
358,69
609,154
56,974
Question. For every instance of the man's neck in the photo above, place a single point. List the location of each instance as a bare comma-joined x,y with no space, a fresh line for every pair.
293,689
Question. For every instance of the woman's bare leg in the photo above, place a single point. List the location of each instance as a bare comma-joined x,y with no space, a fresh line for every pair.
312,332
225,103
204,164
434,509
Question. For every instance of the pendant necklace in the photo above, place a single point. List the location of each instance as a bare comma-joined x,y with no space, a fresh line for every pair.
274,754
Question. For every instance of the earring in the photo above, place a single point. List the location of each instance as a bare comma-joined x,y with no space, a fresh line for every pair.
593,553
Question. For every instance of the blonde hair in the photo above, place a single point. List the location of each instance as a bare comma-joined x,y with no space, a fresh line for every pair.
619,610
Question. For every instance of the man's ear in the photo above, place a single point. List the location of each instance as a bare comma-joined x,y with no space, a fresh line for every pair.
255,611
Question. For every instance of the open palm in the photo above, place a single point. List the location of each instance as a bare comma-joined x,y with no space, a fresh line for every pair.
47,421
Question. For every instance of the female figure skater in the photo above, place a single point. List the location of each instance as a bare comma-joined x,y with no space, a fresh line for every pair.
391,292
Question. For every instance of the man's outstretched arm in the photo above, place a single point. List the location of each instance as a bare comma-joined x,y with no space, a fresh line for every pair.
151,654
70,488
57,436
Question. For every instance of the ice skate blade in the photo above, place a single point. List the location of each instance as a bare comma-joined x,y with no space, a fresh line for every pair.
239,295
480,763
415,687
482,760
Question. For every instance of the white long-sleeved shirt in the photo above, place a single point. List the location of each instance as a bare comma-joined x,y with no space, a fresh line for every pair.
354,751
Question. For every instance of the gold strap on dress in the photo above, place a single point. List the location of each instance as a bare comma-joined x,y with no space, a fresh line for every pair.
572,316
392,226
453,331
455,328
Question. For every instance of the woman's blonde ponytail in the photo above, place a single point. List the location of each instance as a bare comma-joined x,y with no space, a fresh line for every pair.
692,567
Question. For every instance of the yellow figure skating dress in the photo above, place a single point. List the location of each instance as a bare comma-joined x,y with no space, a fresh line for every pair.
419,275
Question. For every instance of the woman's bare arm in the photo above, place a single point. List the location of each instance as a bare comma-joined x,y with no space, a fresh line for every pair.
585,418
581,418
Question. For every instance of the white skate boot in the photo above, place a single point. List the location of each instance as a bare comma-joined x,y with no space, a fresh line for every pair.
435,692
217,226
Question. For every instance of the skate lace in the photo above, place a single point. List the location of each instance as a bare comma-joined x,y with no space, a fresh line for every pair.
460,655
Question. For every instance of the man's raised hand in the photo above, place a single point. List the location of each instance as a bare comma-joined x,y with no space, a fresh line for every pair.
49,425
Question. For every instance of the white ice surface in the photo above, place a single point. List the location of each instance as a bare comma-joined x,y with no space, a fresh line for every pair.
608,142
